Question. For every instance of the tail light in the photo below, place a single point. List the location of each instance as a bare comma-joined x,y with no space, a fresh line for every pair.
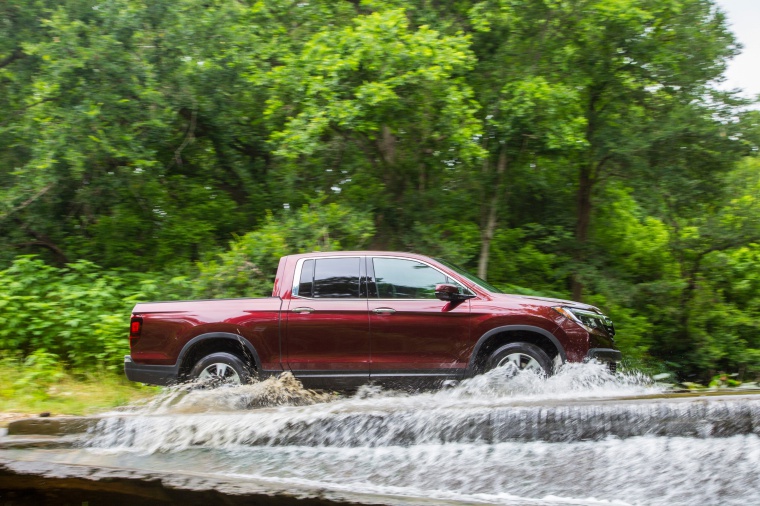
135,329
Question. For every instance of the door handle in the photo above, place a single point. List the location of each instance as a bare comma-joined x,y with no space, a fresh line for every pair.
300,310
383,310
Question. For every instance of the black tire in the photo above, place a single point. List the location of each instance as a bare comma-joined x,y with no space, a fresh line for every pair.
221,369
524,356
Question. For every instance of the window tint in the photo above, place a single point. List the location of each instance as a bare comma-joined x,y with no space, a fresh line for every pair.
306,282
335,278
406,279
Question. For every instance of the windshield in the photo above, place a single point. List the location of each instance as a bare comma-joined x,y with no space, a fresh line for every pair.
472,277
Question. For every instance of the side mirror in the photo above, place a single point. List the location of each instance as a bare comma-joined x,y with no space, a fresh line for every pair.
450,293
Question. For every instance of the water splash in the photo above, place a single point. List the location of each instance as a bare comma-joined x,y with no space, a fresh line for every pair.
583,436
495,388
282,390
494,407
572,380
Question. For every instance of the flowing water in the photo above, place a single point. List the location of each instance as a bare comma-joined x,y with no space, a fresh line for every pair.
583,436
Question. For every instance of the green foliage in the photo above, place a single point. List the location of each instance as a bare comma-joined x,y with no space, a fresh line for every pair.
38,370
724,381
361,78
248,268
77,313
39,383
528,257
723,313
634,241
560,148
452,240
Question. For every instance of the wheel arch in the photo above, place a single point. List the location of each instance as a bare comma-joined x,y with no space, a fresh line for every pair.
506,334
212,342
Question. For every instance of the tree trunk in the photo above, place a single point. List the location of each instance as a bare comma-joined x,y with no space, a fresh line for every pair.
488,228
486,236
585,187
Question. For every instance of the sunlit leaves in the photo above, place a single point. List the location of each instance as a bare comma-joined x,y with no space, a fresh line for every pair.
363,77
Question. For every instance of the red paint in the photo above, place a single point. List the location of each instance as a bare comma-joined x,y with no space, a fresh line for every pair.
335,337
420,335
359,336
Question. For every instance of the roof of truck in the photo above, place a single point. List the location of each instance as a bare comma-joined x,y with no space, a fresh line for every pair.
359,253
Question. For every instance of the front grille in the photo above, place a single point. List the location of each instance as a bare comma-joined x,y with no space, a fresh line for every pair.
609,327
613,367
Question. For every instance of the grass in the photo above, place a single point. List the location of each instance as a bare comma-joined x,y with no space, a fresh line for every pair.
34,387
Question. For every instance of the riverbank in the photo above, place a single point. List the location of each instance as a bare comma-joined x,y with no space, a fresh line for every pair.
28,392
6,418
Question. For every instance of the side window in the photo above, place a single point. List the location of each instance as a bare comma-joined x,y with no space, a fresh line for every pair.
406,279
306,283
330,278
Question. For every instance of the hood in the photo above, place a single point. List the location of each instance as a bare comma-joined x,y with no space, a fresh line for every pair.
544,301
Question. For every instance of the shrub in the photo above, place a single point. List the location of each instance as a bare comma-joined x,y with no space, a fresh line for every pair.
78,313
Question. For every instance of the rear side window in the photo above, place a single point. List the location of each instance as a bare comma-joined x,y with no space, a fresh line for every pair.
306,283
330,278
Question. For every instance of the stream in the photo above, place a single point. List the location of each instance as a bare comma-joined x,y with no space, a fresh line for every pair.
583,436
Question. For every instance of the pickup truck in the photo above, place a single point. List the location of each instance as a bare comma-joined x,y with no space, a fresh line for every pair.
338,320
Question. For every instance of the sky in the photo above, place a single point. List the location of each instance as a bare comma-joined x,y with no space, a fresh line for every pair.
744,20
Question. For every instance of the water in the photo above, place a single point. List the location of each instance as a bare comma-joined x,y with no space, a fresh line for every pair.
575,438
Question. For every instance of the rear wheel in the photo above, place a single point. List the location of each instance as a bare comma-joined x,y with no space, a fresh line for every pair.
221,369
523,357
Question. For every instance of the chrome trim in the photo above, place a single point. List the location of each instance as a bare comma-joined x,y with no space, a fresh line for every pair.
299,268
304,374
444,374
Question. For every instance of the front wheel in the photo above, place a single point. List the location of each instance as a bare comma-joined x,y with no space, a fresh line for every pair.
222,369
522,356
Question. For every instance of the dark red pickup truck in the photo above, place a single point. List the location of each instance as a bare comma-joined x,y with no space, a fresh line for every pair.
337,320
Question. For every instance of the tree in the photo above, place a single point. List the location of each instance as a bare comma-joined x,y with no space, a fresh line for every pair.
639,61
133,123
377,111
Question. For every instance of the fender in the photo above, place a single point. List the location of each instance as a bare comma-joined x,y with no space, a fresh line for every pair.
220,335
513,328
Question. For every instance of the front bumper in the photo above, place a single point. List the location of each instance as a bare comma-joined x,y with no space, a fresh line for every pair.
607,355
151,374
604,355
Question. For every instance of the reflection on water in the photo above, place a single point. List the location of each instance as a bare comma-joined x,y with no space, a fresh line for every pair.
495,439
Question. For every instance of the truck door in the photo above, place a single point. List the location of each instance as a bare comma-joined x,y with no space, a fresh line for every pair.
413,333
327,341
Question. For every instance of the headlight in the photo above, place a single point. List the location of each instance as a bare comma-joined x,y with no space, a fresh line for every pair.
589,320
